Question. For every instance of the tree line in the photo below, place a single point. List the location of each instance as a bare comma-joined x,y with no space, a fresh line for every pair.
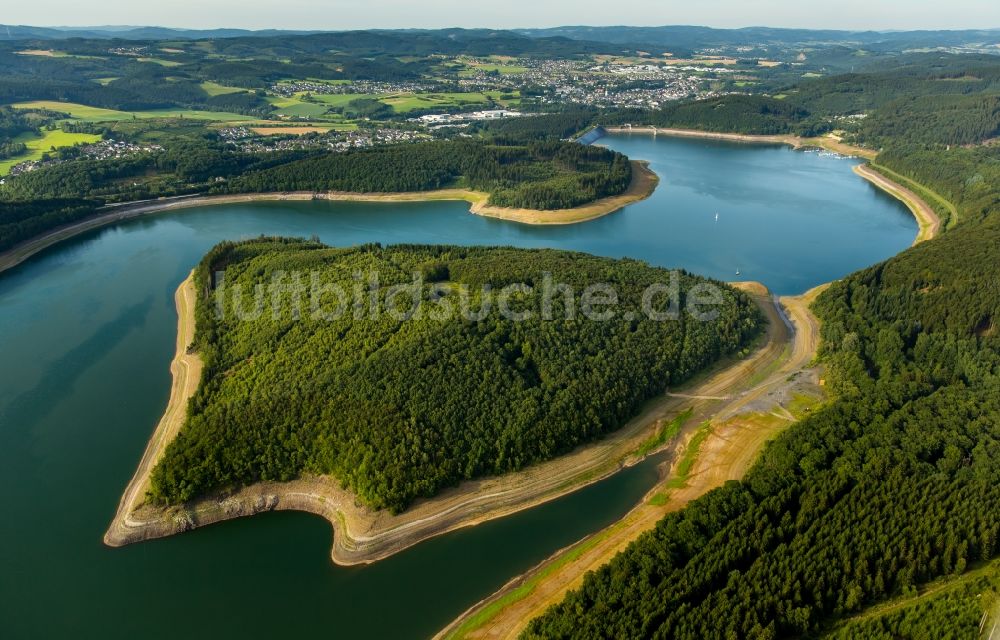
537,175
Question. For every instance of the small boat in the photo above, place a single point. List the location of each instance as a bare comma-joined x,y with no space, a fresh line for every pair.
716,217
737,272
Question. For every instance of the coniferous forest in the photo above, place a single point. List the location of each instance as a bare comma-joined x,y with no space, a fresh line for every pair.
892,484
537,175
399,408
518,174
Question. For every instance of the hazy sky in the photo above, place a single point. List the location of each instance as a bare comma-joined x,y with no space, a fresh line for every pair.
354,14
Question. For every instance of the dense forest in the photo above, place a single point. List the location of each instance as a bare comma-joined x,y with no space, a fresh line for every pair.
134,85
937,99
21,220
13,123
912,76
969,176
544,126
943,119
183,167
754,114
951,612
537,175
894,483
399,408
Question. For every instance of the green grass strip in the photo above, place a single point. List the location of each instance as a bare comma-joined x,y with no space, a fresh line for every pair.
666,433
690,457
945,209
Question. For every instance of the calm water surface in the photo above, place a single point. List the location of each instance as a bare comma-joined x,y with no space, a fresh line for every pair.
86,336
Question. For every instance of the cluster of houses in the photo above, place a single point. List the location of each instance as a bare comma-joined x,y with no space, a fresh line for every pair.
103,150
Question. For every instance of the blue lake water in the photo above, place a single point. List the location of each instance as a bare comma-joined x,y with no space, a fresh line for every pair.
87,333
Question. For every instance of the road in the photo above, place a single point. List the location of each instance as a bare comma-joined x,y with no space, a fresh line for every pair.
727,453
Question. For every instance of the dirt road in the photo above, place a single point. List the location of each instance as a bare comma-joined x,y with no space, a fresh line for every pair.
729,449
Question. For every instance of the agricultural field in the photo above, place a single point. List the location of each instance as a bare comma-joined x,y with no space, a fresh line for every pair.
39,145
400,102
293,107
499,67
86,113
498,97
215,89
161,62
298,130
406,102
43,53
339,99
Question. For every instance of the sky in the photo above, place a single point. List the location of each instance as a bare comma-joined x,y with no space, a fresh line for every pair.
499,14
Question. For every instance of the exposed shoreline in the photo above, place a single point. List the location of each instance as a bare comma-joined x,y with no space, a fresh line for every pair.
798,142
363,536
728,451
644,182
928,221
507,612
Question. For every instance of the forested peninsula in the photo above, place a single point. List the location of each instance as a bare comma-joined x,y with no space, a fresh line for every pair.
526,177
397,409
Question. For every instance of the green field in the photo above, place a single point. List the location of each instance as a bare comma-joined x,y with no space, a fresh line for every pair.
406,102
401,102
216,89
508,102
294,107
502,69
339,99
39,145
161,62
85,113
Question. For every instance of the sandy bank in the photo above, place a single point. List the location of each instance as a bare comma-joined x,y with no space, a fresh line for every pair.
928,221
830,143
362,535
186,371
643,184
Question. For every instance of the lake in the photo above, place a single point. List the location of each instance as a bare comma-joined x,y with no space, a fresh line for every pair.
87,333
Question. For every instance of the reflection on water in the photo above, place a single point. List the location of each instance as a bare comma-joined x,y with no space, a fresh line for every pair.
87,332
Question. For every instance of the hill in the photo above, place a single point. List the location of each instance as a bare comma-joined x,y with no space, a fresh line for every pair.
400,407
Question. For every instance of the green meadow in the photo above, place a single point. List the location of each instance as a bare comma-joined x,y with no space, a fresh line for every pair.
39,145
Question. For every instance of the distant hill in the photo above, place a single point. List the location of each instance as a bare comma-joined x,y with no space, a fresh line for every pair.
692,37
22,32
677,36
